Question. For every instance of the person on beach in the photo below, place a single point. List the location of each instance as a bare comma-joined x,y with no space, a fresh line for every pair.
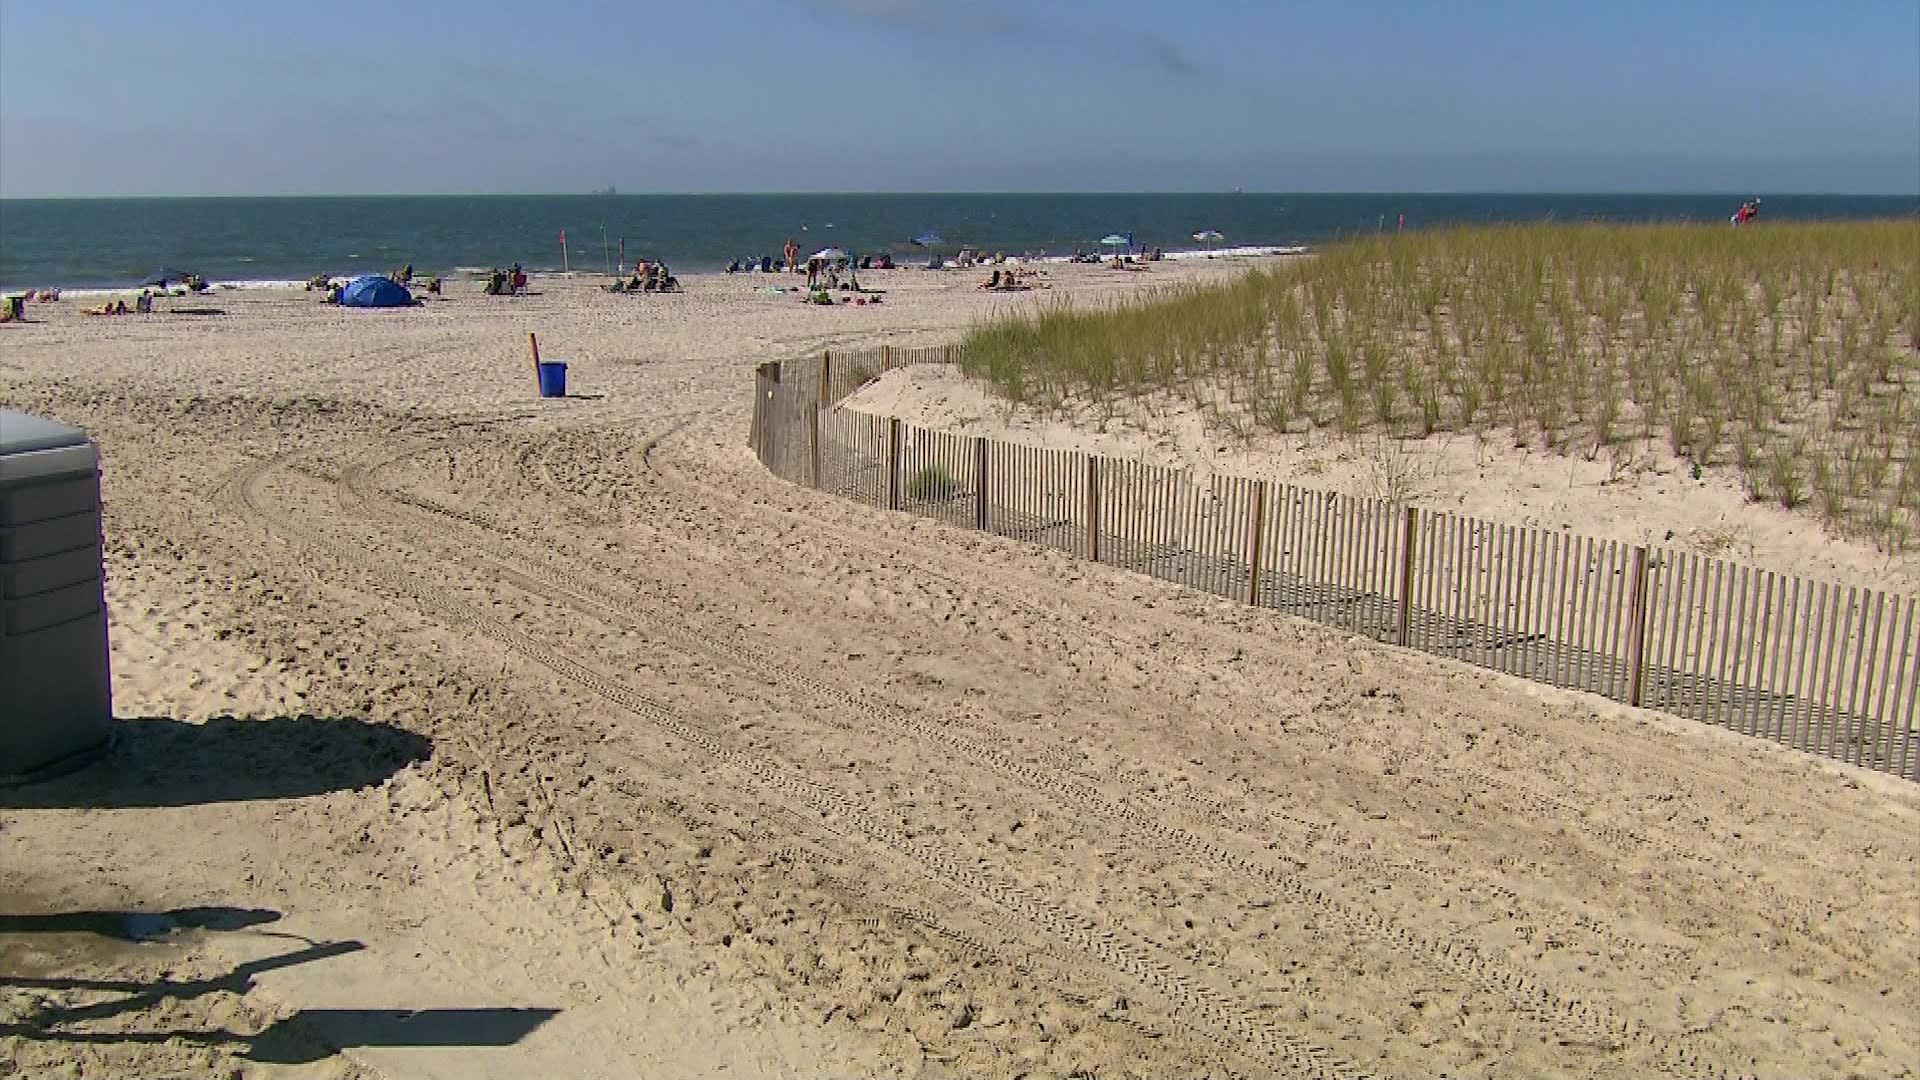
792,253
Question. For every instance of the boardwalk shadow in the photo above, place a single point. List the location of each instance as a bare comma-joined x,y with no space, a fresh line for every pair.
164,762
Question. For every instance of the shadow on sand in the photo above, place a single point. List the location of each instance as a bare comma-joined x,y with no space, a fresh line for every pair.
136,925
163,762
311,1035
307,1036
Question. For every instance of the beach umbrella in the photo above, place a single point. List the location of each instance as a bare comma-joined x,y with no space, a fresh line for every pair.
1209,237
375,291
165,276
932,241
1114,240
829,254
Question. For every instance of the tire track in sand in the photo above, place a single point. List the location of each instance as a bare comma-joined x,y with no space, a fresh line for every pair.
1801,916
1554,1009
1236,1028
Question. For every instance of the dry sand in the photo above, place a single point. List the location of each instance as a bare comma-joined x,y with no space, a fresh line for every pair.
470,735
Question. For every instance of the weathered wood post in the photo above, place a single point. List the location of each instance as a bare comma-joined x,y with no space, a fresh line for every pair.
1637,627
1256,541
893,463
826,369
1093,508
814,443
886,358
980,484
1408,530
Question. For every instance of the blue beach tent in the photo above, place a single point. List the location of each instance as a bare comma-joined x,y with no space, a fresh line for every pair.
374,291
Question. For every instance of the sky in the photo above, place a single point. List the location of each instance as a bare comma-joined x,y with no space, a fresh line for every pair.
207,97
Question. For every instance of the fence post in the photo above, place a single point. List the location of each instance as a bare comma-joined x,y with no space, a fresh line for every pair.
1257,541
893,463
759,410
886,358
980,484
1093,508
814,449
1637,613
1408,529
826,369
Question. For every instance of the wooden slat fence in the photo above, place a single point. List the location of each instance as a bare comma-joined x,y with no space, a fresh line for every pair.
1829,669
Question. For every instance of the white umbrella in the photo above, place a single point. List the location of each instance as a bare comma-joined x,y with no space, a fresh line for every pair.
829,254
1209,237
1113,240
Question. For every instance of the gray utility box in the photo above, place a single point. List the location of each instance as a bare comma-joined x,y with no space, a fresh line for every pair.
56,704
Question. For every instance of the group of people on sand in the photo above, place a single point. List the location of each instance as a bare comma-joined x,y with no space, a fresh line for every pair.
1014,279
767,264
648,277
1747,212
404,276
509,282
14,306
142,305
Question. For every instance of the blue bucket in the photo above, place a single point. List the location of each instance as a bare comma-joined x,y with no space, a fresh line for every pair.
553,378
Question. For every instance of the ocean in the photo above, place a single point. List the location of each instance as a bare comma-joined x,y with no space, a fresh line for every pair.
112,243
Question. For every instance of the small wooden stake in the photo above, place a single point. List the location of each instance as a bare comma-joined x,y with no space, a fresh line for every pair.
533,346
980,484
1408,528
1093,508
893,463
814,444
1256,525
1637,628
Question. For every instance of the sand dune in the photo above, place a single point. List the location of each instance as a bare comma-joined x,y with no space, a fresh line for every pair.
598,752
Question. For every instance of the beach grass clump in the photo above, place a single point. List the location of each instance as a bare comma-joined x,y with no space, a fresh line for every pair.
1787,353
932,483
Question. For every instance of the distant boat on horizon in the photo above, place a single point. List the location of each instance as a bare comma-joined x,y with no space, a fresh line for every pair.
608,190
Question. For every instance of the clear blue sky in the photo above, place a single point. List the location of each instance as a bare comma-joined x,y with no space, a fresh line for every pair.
270,97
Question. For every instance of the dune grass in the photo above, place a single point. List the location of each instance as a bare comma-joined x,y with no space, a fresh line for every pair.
1788,353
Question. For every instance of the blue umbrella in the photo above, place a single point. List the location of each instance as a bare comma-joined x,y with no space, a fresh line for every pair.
927,240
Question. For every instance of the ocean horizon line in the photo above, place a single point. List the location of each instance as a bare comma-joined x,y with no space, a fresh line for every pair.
1013,193
110,240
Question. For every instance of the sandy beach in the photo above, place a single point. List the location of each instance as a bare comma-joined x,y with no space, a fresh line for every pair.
469,734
